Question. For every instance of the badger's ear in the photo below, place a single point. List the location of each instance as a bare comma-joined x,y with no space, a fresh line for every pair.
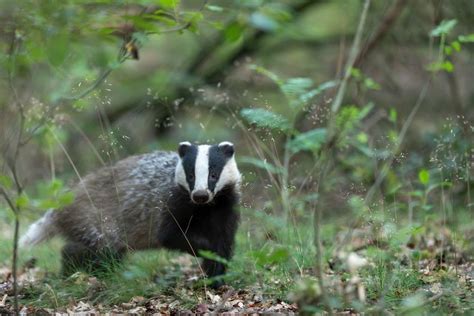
183,148
227,148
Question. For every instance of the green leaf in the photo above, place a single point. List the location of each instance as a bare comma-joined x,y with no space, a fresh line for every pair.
466,38
214,8
369,83
456,46
402,236
54,187
267,73
306,97
448,50
22,201
393,115
212,256
296,86
365,111
356,73
233,32
106,31
46,204
53,195
262,164
265,119
169,4
443,65
362,137
274,256
297,90
311,140
373,152
443,28
6,182
448,66
424,176
193,19
66,199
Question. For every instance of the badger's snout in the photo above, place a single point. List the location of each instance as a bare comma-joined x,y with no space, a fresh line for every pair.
200,197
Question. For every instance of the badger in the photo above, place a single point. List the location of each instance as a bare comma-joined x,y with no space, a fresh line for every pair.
185,201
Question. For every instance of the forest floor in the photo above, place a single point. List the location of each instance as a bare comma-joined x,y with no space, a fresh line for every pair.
416,269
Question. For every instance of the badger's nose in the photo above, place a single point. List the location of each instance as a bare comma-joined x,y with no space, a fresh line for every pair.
200,197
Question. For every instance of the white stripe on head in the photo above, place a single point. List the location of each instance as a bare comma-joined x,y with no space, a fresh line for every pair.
225,144
201,168
185,143
230,175
180,175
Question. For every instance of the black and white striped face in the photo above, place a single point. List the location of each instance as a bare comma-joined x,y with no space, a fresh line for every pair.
204,170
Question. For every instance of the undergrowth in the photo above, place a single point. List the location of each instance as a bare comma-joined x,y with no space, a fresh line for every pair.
267,262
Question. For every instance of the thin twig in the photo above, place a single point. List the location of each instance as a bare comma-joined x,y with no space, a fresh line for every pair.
324,161
387,22
7,199
92,87
12,164
352,57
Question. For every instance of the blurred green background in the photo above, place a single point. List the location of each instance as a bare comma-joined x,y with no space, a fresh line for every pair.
90,82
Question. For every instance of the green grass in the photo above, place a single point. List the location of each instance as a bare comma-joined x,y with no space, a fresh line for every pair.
391,283
269,259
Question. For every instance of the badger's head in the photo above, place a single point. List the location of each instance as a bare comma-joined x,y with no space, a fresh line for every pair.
205,170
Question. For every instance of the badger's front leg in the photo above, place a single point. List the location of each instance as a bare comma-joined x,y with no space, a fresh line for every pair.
221,242
222,248
194,242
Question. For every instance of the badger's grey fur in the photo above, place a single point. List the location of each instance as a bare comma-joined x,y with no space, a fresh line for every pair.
182,201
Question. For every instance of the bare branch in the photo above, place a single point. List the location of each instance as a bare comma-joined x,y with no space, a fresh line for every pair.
383,29
8,199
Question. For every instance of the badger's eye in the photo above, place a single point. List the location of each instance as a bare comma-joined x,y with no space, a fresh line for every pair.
213,176
191,177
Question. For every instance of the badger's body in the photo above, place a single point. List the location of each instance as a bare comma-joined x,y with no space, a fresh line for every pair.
182,201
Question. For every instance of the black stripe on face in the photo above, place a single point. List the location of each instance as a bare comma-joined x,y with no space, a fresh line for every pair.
217,161
188,162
